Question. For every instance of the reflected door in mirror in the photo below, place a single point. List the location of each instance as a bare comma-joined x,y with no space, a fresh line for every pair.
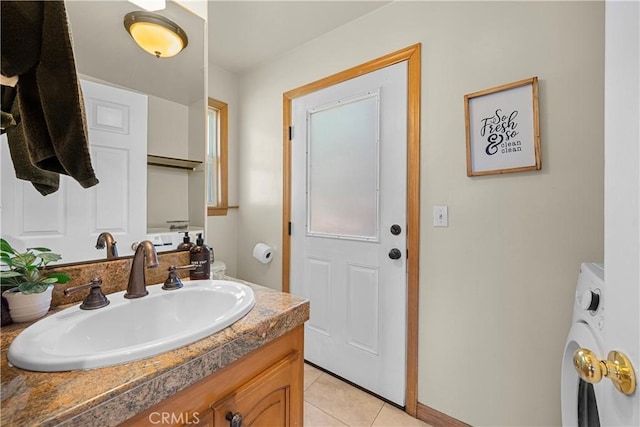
70,220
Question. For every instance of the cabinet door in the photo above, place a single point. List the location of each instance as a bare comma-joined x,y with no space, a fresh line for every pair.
263,401
170,417
201,419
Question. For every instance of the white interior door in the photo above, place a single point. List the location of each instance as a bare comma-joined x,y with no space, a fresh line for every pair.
348,232
70,220
621,331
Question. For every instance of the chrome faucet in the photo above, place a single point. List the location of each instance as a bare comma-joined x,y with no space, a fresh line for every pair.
137,287
106,238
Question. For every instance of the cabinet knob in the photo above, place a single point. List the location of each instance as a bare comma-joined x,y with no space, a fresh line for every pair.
235,420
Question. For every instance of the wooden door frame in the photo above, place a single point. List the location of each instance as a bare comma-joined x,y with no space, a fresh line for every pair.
410,54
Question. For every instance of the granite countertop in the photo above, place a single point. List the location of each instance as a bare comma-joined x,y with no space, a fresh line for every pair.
109,396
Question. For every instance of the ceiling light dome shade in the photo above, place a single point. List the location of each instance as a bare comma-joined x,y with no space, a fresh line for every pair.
156,34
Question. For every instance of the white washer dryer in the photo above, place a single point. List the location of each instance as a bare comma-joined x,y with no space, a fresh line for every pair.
580,399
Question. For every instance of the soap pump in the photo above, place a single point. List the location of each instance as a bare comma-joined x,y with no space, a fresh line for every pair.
200,257
186,244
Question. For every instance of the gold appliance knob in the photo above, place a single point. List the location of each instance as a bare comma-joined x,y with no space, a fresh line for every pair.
617,368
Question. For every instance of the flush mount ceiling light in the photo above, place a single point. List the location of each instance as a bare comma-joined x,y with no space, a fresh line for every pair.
156,34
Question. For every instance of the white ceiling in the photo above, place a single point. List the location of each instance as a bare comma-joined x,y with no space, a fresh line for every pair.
244,34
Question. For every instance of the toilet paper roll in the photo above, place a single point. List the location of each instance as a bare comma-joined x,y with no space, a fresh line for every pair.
263,253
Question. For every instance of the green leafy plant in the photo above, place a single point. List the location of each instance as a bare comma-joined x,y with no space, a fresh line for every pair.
25,269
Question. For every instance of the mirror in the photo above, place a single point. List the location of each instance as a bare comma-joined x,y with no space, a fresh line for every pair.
105,51
177,96
176,127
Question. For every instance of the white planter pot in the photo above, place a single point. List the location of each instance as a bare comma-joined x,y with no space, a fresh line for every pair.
28,307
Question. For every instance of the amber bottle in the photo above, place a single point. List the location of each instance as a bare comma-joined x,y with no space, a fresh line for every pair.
200,257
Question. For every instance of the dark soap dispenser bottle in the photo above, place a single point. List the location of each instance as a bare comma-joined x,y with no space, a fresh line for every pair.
186,244
201,258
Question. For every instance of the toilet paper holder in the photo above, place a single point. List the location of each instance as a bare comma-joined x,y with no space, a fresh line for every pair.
263,253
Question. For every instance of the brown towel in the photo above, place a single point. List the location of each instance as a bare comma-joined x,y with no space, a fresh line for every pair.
8,96
44,181
21,35
48,92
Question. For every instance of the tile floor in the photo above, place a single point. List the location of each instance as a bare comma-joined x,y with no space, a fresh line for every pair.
330,402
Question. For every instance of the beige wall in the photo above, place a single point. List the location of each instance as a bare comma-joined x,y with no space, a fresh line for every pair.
223,230
496,286
167,195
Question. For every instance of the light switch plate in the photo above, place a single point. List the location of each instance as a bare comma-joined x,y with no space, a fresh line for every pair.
440,216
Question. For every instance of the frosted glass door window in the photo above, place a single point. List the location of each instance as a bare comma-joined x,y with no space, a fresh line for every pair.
343,159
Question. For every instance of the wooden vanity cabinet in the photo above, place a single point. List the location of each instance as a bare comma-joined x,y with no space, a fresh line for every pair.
263,401
263,388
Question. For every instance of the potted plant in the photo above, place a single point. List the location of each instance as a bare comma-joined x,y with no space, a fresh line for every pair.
29,296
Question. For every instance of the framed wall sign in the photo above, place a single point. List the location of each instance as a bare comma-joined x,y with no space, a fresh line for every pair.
502,126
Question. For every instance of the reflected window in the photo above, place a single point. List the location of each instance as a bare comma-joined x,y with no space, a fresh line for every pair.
217,117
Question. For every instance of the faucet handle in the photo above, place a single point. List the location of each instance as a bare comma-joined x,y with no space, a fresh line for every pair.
173,281
95,299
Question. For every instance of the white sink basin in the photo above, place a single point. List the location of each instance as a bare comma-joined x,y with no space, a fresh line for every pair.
130,329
